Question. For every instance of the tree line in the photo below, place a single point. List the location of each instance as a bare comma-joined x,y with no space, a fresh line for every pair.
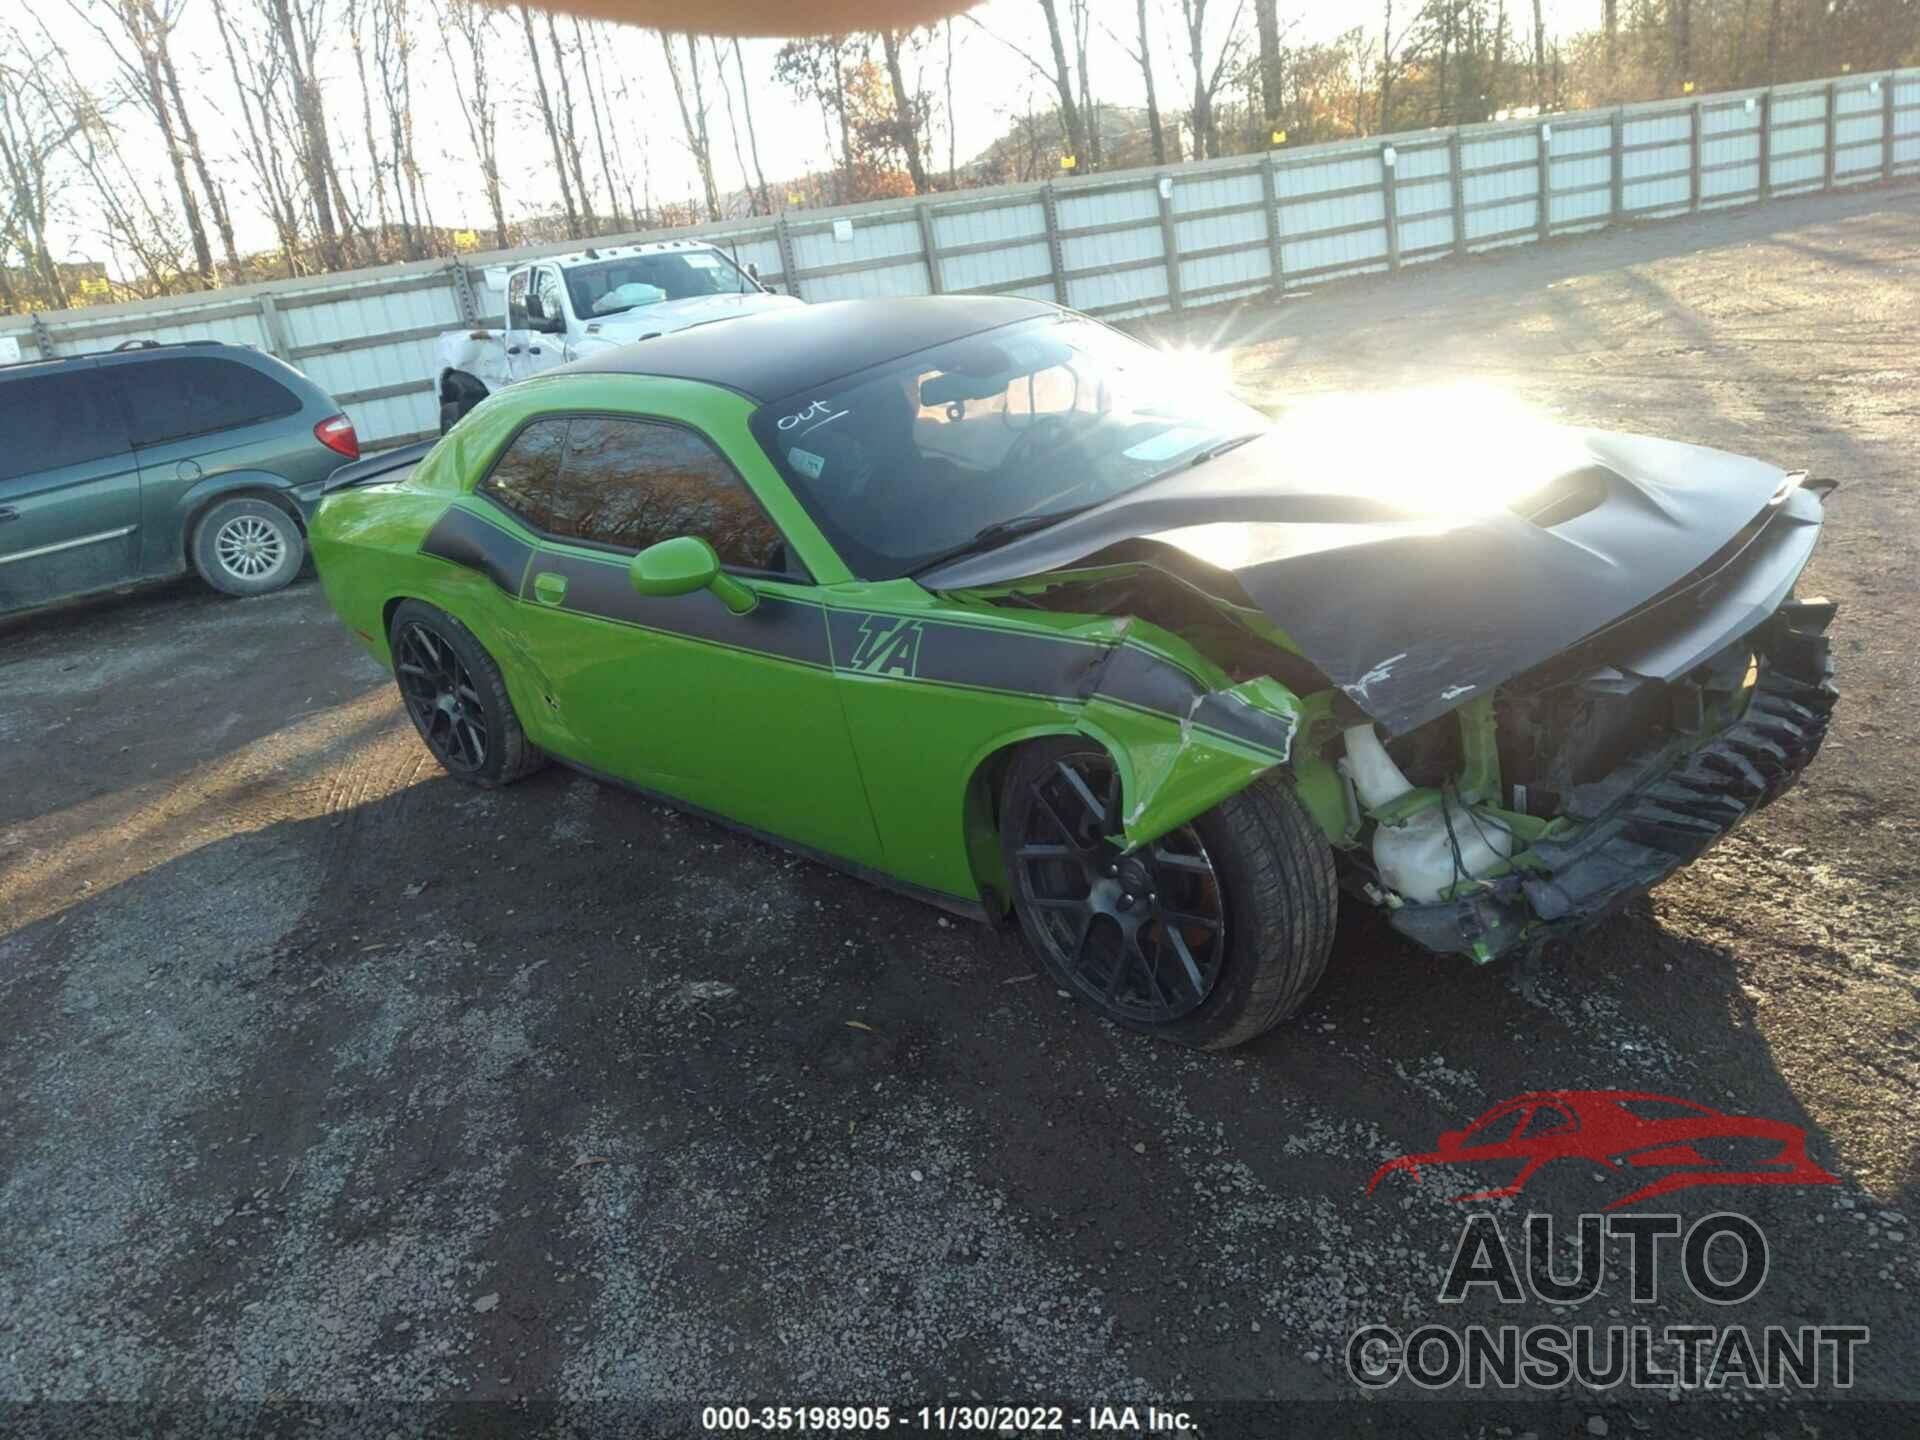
338,174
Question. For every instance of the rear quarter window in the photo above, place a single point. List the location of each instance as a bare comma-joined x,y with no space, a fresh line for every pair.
188,395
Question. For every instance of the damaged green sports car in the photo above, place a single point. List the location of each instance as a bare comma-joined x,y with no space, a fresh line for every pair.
984,600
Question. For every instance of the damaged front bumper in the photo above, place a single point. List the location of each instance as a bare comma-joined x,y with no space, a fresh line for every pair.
1657,810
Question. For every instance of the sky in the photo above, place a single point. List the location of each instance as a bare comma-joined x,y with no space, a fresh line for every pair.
993,86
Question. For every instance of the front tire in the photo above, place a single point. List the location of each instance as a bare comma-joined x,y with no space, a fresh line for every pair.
248,546
457,699
450,413
1209,936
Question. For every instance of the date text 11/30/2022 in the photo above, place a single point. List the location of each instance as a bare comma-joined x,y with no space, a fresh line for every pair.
971,1419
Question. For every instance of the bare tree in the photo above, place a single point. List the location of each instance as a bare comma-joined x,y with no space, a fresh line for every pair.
142,27
1389,67
1266,15
360,29
1143,57
1206,82
547,118
753,139
297,24
733,126
36,124
599,129
474,25
270,177
693,120
567,132
906,116
1062,78
1539,57
953,133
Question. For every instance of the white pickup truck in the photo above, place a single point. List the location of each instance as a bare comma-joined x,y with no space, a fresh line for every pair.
566,306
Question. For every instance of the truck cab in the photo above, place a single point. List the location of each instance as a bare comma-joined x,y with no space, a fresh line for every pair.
565,307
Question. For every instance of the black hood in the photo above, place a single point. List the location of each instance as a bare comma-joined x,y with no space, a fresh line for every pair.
1411,611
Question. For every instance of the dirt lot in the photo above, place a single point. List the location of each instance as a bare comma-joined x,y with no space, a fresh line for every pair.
327,1078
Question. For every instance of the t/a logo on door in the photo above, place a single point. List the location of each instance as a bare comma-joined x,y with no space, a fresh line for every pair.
888,646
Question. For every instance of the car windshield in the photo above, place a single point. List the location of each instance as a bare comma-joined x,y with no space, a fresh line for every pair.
929,455
613,286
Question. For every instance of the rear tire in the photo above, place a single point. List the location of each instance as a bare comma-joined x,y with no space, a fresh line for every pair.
248,546
457,699
1236,921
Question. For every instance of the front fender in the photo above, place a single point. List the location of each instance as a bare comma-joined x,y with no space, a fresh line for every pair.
1192,749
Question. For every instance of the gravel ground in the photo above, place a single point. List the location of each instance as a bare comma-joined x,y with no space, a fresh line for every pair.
328,1079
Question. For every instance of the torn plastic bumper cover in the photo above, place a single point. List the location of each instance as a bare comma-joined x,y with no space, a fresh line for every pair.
1658,810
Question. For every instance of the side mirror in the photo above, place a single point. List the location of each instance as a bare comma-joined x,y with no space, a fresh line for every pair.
683,565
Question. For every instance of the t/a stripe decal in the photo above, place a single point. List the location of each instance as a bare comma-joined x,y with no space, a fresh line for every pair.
859,642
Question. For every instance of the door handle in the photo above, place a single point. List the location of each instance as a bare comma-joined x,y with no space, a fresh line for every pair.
513,349
533,349
7,512
549,588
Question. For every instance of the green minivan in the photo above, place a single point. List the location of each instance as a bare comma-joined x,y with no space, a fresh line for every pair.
137,464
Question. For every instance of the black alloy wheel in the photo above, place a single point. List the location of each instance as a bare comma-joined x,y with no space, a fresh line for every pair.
1141,936
440,695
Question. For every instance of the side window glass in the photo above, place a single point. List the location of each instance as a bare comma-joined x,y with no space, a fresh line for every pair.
179,397
53,421
517,300
546,286
631,483
522,479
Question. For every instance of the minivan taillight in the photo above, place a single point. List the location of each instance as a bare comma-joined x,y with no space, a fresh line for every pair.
337,435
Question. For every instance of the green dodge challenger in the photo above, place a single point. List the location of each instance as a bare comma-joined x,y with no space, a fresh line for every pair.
986,601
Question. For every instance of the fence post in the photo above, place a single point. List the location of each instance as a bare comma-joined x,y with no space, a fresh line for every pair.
1169,242
1766,143
1457,182
1543,184
272,326
1618,152
1833,101
1698,119
925,217
1050,209
1390,204
1276,239
1886,126
463,291
789,266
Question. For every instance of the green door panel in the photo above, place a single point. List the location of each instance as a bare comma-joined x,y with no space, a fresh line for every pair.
734,713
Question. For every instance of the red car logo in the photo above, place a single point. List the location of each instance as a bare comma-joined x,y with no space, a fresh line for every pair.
1629,1132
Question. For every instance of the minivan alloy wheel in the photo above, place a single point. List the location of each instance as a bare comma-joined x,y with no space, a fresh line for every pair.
249,547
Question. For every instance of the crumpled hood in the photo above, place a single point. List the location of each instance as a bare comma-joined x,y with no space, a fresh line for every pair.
1411,604
666,316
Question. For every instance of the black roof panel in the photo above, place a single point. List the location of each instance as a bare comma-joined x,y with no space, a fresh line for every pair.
778,352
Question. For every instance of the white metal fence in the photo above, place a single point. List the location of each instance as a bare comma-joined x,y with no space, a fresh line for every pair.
1132,243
